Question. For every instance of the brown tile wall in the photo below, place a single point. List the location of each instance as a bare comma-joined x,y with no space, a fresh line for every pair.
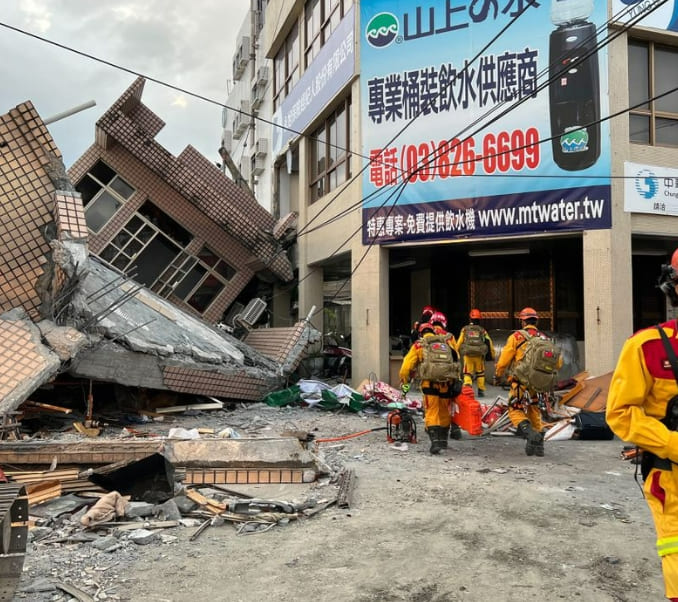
20,359
150,186
240,386
26,201
275,343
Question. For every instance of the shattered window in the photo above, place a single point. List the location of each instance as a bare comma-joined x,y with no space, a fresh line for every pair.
103,192
99,211
206,293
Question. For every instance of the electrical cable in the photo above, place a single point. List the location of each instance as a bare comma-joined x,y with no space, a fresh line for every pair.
606,41
432,155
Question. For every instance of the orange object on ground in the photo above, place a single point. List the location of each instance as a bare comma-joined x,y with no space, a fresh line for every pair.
466,411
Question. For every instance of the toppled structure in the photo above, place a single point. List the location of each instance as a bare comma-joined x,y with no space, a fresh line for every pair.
62,310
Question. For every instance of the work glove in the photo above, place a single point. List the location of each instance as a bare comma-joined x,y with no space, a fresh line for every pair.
405,388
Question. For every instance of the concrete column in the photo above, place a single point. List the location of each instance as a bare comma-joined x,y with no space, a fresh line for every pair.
310,277
608,312
369,313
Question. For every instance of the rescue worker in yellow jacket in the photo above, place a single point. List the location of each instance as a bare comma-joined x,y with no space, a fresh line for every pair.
642,409
474,344
439,322
523,409
437,395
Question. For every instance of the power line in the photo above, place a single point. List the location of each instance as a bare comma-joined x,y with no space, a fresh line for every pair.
609,38
433,156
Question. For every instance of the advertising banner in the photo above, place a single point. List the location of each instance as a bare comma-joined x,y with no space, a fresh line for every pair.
483,118
650,189
327,74
660,15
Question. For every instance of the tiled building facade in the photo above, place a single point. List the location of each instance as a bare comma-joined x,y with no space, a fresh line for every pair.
177,223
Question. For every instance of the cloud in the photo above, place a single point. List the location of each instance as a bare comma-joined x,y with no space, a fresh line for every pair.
182,43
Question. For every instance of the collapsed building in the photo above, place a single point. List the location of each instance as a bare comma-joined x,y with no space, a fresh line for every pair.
117,271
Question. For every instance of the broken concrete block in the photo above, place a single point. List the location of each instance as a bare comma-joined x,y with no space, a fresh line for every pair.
143,537
139,509
168,511
106,544
184,504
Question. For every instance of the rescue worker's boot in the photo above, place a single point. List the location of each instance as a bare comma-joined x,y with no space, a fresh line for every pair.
539,446
436,442
535,440
455,431
442,436
481,393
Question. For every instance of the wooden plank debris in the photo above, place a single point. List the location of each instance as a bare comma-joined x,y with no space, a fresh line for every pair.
212,405
99,451
43,492
593,397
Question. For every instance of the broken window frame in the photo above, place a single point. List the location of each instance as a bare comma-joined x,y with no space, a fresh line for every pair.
219,270
111,190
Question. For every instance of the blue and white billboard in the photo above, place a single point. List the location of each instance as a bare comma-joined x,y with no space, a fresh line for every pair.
658,13
483,118
328,73
650,189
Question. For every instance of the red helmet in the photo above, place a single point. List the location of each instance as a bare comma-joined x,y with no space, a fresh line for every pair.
526,313
438,317
674,262
428,310
425,326
475,314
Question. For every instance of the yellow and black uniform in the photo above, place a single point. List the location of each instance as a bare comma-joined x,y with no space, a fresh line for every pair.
641,387
523,410
437,395
474,365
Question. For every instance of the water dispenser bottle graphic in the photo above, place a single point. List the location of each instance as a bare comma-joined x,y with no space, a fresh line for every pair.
574,92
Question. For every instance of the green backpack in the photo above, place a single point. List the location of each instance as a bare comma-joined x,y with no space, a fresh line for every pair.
440,362
538,368
473,343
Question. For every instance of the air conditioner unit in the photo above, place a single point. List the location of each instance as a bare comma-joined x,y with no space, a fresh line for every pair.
239,125
251,313
261,147
241,58
227,140
241,119
257,97
262,76
259,166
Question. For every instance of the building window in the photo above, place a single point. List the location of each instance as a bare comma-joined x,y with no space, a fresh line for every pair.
652,71
149,242
196,280
150,247
330,157
321,18
103,192
286,67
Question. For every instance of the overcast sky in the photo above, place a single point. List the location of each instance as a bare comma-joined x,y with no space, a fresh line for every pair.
187,43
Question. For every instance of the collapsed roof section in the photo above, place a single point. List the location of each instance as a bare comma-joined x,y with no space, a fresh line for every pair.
64,311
